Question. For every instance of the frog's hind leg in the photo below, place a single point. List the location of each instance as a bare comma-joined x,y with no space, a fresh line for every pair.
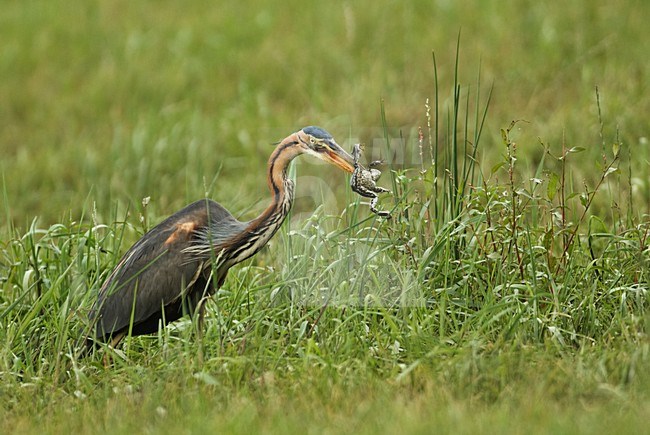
373,208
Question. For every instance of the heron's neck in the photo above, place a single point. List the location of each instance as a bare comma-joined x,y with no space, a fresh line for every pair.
260,230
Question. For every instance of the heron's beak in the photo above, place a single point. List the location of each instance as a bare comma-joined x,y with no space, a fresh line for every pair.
339,157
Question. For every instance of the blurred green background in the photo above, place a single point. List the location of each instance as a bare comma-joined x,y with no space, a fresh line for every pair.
105,103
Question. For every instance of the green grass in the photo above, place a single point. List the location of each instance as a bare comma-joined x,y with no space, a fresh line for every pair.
508,293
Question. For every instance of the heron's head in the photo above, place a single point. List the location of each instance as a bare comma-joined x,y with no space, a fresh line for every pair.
319,143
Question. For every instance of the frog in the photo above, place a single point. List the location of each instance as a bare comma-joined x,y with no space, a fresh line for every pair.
364,181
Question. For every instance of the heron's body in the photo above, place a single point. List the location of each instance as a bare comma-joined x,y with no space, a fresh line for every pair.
187,256
157,279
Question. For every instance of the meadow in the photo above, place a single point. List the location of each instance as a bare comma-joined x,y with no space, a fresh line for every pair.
508,293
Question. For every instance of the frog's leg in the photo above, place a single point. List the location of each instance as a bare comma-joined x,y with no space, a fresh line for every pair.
373,208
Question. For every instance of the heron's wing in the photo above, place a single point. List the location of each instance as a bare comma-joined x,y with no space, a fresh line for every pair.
157,270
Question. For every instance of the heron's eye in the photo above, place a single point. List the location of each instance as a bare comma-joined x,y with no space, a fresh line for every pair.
316,144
